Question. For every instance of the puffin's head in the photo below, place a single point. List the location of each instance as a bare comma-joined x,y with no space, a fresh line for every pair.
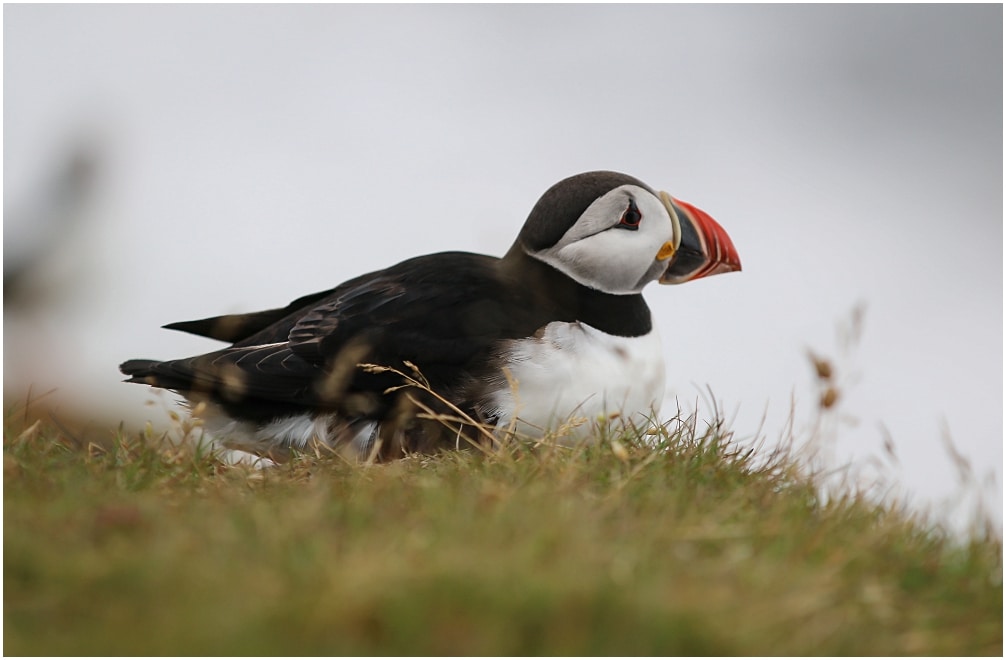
613,233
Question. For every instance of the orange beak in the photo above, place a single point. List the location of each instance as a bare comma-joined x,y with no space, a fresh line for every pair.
705,248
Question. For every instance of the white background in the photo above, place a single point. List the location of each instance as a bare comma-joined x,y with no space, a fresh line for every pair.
246,155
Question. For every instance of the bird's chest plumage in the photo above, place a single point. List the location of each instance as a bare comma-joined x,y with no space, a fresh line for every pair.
572,371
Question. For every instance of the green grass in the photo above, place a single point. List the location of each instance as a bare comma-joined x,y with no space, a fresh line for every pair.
694,547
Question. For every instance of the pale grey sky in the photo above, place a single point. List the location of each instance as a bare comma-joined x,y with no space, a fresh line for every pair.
245,155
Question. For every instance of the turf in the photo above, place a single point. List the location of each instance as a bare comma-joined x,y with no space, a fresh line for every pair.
679,543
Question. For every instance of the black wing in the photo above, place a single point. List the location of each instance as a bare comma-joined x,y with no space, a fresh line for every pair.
233,328
443,313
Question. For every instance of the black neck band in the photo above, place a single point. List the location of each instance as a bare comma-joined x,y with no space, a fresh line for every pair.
558,296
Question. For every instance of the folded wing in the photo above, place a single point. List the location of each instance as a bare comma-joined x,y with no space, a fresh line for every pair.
439,312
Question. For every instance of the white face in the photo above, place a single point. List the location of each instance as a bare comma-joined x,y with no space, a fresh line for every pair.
602,253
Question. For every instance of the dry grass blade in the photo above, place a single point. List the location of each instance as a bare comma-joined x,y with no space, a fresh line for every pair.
419,382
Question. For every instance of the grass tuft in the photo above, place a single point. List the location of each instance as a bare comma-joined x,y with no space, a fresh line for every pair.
682,542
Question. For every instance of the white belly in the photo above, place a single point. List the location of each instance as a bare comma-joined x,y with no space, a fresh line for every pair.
571,379
578,376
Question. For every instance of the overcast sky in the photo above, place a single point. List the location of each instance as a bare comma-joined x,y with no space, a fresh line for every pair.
241,156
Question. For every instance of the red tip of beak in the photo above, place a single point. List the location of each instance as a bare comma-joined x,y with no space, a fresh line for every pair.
723,257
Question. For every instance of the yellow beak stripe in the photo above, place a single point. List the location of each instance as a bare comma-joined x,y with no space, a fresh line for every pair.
675,222
667,251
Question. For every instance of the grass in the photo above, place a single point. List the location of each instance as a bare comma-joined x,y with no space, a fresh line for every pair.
694,546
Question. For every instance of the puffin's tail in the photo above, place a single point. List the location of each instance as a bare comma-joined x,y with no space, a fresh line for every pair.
138,370
155,373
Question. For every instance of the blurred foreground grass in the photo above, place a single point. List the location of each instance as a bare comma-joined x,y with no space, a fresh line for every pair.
694,547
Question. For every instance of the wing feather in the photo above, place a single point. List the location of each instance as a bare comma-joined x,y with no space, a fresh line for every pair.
441,312
233,328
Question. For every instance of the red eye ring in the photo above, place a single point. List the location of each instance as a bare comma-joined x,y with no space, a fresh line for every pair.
631,217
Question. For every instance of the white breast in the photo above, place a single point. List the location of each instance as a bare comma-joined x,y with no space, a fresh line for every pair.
576,373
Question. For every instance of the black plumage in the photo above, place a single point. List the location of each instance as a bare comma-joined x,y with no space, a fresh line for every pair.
449,314
442,312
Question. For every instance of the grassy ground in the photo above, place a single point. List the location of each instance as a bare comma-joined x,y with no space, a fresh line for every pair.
694,547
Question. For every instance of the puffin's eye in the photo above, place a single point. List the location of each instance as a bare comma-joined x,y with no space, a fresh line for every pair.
631,218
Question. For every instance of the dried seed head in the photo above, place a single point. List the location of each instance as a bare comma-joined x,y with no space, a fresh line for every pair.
233,382
619,450
821,366
829,397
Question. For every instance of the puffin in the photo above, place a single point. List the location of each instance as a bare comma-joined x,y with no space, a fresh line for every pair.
454,349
